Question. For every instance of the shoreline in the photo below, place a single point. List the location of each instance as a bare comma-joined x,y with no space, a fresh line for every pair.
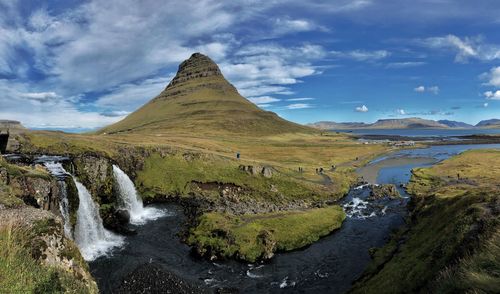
370,172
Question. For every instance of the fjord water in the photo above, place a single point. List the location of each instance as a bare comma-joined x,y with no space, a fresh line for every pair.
131,201
92,238
421,132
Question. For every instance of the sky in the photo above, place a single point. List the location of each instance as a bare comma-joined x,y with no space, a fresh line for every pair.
79,65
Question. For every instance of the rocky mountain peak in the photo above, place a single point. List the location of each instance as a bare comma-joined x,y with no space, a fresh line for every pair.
197,66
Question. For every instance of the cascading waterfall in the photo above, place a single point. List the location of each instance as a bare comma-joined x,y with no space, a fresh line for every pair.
57,170
132,202
90,235
92,238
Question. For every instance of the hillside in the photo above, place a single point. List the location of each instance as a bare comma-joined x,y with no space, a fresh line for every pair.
330,125
404,123
200,100
490,123
455,124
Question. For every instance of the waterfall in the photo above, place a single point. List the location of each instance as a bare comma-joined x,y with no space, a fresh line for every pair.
57,170
131,201
90,235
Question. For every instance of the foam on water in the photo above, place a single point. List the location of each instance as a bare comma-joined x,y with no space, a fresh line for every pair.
132,202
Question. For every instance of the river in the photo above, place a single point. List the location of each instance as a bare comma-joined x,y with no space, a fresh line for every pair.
327,266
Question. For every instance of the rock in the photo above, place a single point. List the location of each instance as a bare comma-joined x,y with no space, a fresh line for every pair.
266,238
382,191
153,278
4,176
267,171
123,216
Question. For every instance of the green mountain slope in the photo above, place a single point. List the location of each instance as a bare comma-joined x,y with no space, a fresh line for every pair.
200,100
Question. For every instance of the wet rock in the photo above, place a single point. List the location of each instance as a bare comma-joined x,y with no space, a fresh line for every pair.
117,221
382,191
268,242
153,278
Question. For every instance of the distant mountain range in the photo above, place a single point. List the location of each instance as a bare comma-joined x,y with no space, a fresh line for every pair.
405,123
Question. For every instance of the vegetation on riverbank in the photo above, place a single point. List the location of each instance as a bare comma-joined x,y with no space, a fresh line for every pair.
258,236
28,265
451,242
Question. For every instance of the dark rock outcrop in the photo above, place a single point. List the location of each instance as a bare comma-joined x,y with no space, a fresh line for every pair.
382,191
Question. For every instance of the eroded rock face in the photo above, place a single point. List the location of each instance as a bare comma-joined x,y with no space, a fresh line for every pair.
39,192
266,171
268,242
197,66
96,173
48,244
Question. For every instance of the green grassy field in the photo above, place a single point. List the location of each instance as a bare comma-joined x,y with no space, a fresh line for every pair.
451,244
252,237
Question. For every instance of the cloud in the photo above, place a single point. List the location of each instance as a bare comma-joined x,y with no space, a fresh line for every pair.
419,89
298,106
492,95
362,108
485,104
400,111
300,99
406,64
432,89
40,96
263,100
493,76
287,25
362,55
129,96
465,48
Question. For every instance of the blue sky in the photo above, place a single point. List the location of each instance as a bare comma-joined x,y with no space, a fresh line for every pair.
74,65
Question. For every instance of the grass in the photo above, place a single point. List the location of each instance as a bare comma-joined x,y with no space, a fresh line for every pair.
451,244
251,237
20,272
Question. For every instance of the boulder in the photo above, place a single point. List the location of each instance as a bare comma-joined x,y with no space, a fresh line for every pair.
382,191
267,171
268,242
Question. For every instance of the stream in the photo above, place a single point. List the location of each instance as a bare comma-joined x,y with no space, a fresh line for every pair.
330,265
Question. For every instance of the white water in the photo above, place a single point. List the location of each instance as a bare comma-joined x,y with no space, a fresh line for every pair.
132,202
58,171
90,235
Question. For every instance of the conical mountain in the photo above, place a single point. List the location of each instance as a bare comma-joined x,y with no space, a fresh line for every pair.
199,100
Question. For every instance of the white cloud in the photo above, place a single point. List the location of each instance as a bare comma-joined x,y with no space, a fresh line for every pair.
400,111
432,89
287,25
362,108
493,76
40,96
129,96
465,48
362,55
405,64
485,104
263,100
419,89
300,99
298,106
492,95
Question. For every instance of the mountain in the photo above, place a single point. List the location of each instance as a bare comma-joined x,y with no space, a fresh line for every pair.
490,123
12,126
200,100
455,124
330,125
406,123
